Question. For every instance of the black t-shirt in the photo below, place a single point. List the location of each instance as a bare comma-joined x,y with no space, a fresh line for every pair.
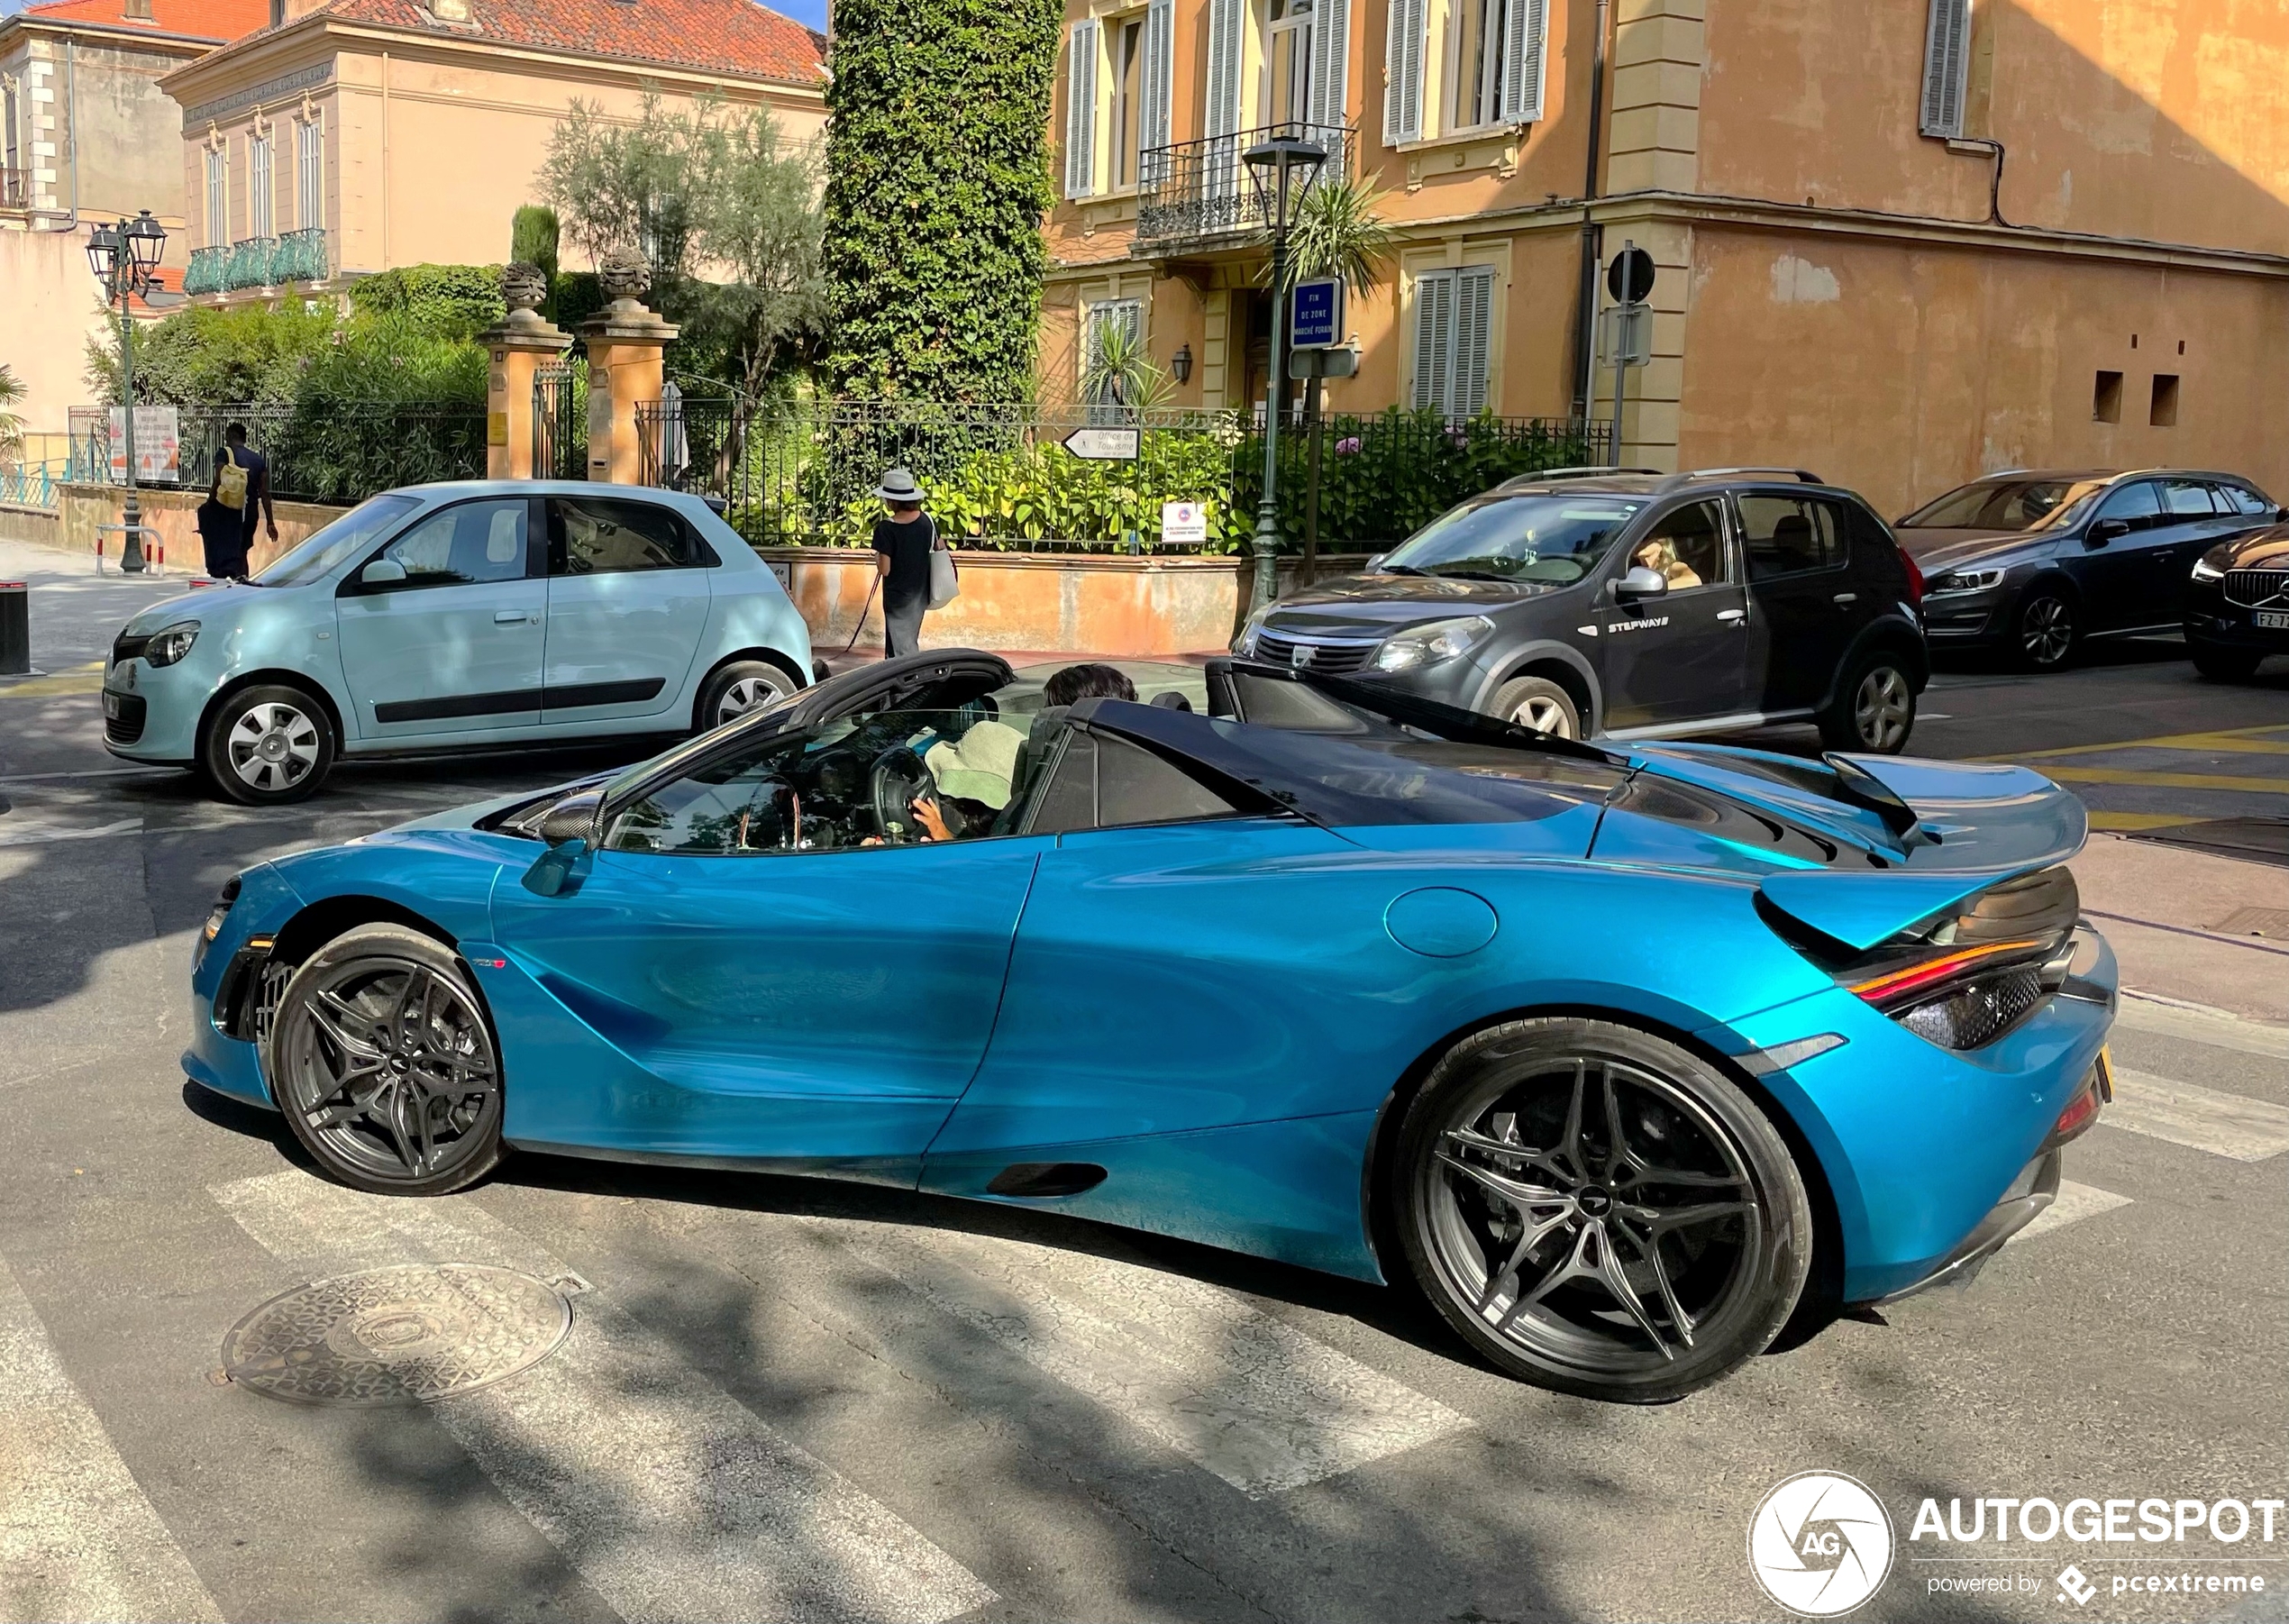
907,547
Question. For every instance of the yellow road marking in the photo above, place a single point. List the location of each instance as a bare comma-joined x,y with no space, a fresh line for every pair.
2169,780
2128,822
80,680
2230,738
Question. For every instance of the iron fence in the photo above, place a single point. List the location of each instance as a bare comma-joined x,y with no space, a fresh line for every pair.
321,451
559,415
1200,188
1003,477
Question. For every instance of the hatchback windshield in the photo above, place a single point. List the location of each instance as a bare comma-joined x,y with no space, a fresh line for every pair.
1552,540
366,523
2005,505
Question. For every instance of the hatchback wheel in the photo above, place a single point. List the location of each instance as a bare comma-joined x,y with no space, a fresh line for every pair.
1538,703
2047,630
1598,1211
742,686
265,746
1874,710
383,1063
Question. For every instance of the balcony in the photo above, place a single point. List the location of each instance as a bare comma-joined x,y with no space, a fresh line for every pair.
301,257
204,273
15,188
249,265
1200,189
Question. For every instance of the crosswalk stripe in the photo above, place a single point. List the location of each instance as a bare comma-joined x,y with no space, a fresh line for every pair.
2220,1030
1248,1397
2074,1204
2224,1124
673,1500
78,1537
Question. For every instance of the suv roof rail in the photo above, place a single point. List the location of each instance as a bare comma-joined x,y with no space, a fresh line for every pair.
1690,475
1539,475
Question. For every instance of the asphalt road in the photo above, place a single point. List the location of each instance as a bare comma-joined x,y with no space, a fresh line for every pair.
785,1400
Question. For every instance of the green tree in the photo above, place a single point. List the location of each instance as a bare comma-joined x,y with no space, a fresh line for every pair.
533,234
1339,231
243,354
937,178
12,393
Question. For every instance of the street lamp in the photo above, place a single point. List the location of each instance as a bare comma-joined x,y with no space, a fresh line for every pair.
126,259
1282,168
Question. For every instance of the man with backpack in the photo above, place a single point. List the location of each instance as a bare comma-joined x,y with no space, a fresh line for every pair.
226,521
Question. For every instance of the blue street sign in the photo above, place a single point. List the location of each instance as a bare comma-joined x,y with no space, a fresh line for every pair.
1318,320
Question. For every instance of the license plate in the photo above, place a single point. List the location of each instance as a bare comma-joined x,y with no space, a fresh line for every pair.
2272,620
110,706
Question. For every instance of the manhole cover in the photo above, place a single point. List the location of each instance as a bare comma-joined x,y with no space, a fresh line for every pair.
2269,922
398,1335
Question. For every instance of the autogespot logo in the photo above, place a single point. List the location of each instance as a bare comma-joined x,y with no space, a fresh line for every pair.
1820,1544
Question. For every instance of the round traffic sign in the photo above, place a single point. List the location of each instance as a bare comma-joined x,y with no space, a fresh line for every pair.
1629,278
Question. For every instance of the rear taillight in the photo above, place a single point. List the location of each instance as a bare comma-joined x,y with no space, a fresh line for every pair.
1968,979
1915,577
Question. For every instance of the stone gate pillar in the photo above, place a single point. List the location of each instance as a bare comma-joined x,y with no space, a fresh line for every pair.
626,344
516,346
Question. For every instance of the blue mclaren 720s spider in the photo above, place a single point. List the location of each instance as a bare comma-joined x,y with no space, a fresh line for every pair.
1615,1054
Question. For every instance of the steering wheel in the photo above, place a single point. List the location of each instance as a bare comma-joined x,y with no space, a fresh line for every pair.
895,783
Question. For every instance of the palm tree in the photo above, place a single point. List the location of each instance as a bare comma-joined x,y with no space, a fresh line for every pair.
1339,232
11,391
1120,369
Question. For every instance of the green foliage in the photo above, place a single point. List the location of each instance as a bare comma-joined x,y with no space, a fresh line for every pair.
444,298
247,354
532,233
1340,232
11,392
576,296
723,211
1121,370
936,182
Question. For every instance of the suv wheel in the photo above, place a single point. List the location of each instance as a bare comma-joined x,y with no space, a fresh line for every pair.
1874,710
1538,703
2046,631
2224,664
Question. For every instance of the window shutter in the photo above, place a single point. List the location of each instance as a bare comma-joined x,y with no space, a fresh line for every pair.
1081,112
1946,62
1330,63
1403,72
1434,338
1221,116
1473,332
1154,116
1528,24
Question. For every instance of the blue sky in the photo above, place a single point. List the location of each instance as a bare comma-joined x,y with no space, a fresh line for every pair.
810,12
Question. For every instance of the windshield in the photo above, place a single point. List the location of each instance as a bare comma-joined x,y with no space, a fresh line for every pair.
364,524
2006,505
1555,539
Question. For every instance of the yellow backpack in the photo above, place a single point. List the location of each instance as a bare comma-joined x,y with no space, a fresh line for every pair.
230,481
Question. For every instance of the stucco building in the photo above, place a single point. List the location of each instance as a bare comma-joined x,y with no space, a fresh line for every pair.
355,136
1900,243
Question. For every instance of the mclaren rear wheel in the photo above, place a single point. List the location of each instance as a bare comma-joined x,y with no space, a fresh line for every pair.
382,1060
1598,1211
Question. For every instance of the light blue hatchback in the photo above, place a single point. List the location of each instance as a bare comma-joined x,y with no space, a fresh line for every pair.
453,616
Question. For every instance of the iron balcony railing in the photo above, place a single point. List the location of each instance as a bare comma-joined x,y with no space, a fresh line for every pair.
1200,188
15,188
301,257
250,263
207,270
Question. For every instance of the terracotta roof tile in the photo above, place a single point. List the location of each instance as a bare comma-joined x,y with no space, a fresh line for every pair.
734,37
199,19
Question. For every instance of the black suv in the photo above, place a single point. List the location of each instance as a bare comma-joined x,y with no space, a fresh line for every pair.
1634,604
2036,562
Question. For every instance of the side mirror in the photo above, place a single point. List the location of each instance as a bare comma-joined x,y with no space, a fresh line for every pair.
558,871
1375,563
2107,530
570,829
2280,515
1638,582
382,572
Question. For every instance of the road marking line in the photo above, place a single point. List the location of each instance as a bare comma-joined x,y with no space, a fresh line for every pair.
671,1497
2224,1124
2218,740
78,679
2126,822
1201,1370
37,836
27,778
2215,1027
2074,1203
2168,781
78,1538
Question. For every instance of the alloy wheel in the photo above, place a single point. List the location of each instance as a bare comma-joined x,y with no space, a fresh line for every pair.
1883,708
1544,714
390,1065
2047,630
749,693
272,746
1595,1213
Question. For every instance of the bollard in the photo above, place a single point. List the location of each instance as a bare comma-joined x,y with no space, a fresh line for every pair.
15,629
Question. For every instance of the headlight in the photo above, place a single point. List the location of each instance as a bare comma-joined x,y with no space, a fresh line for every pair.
222,909
2211,565
1964,581
1428,645
170,643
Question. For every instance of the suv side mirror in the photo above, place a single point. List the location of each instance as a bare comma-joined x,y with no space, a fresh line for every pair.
382,572
1638,582
1376,561
2107,530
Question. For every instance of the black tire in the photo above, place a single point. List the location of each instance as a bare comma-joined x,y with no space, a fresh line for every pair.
267,745
1538,703
1513,1134
2046,628
383,1060
1872,711
732,690
2224,664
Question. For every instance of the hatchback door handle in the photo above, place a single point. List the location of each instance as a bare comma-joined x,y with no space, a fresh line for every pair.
1732,615
509,618
1846,597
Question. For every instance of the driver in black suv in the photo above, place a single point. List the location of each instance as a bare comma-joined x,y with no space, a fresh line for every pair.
1633,604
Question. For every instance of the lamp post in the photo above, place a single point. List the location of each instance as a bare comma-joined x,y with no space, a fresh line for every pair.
1280,168
125,259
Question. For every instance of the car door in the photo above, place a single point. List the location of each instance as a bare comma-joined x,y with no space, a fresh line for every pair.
2194,518
2110,566
627,604
455,644
783,990
1801,590
1685,653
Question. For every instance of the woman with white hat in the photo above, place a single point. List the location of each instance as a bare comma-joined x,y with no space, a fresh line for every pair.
903,543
